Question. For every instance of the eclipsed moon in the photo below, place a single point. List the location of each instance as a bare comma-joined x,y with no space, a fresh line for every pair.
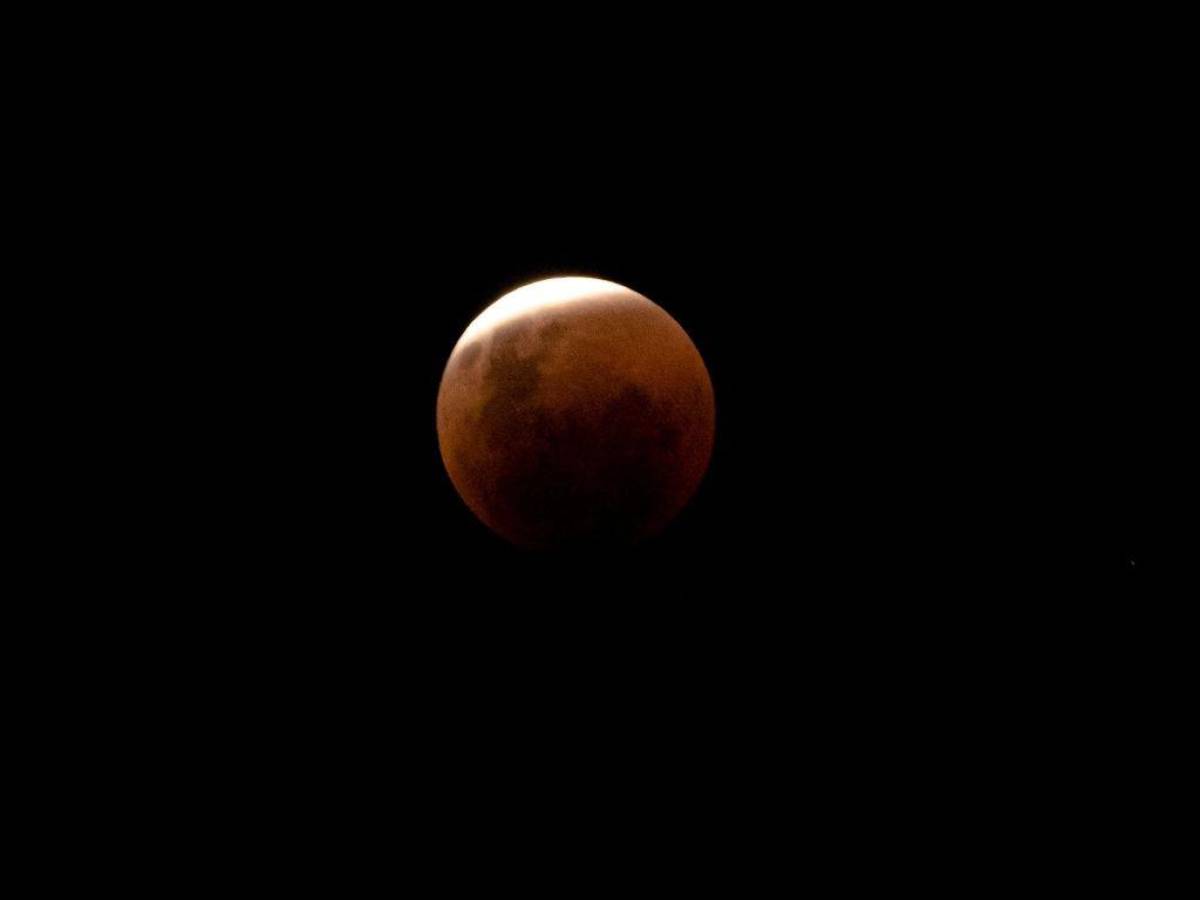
575,411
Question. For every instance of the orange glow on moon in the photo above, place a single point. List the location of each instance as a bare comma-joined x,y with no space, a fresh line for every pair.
575,411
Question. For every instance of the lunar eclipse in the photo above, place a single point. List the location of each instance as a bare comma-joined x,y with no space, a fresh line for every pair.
574,411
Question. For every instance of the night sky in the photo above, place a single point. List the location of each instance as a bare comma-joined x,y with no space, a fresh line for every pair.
942,365
940,308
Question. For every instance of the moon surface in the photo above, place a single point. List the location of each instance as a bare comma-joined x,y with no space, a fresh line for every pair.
574,411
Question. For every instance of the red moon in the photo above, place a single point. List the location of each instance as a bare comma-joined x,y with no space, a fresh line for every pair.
574,411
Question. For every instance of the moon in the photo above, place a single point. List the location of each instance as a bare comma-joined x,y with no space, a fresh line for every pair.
573,412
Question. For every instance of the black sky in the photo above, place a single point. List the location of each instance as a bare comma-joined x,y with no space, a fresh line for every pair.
938,296
939,316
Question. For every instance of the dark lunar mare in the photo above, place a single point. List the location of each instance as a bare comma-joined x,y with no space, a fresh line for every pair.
549,477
